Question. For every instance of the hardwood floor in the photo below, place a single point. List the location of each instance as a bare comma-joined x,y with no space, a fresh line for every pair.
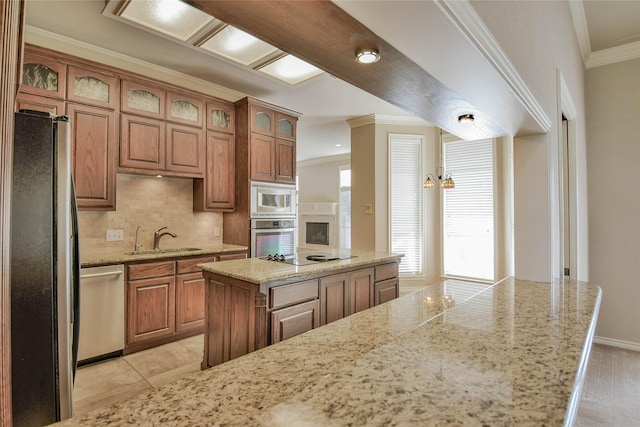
610,395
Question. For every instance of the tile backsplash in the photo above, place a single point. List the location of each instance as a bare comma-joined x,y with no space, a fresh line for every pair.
153,203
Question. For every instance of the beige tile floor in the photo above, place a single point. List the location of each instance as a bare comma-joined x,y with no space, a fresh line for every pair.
110,381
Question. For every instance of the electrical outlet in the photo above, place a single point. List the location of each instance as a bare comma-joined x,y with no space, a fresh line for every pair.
216,232
114,235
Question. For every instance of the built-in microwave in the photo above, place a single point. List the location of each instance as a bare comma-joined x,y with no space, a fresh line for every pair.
272,200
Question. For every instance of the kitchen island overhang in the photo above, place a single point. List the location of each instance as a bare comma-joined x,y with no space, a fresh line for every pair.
512,353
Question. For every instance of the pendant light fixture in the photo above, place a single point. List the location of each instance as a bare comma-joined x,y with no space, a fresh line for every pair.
445,179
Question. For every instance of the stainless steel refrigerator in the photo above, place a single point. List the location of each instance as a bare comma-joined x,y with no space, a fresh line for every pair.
44,271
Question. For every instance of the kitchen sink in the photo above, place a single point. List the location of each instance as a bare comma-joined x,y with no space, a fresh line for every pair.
162,251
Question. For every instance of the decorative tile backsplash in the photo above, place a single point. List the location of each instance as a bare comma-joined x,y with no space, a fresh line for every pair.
153,203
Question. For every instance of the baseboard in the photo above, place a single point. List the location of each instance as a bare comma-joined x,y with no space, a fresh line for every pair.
628,345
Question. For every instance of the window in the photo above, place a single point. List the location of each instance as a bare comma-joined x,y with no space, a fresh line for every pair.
405,201
468,210
345,207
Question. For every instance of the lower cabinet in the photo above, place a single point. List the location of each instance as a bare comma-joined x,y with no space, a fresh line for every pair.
166,300
291,321
334,294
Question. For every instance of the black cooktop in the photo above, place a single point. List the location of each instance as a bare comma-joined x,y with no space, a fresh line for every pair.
307,258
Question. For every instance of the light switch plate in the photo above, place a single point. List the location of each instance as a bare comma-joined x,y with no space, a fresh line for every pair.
114,235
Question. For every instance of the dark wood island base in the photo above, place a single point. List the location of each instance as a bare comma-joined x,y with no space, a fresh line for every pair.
253,303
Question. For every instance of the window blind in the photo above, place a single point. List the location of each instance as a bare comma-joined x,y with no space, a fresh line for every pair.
468,227
405,201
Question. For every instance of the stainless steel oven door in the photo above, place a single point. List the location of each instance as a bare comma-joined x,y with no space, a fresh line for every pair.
270,237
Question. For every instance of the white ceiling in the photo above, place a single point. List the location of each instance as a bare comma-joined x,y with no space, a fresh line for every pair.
325,102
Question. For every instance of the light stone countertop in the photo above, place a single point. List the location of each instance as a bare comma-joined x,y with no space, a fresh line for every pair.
454,353
256,270
95,257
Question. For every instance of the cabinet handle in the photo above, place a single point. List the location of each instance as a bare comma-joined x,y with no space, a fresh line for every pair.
107,273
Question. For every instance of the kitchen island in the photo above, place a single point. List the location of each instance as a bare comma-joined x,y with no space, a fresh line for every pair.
255,302
453,353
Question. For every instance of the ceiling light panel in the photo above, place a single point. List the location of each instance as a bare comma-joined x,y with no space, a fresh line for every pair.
291,70
238,46
171,17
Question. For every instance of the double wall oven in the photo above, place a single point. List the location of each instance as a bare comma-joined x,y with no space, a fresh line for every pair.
274,228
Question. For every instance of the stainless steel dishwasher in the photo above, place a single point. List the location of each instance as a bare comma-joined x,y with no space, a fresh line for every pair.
101,313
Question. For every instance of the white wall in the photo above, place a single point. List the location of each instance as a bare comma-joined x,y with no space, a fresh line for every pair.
319,179
540,42
613,150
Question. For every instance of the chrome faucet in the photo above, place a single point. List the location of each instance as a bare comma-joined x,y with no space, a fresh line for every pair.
157,235
138,245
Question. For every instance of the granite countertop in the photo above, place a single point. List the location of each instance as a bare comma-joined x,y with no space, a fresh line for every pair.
454,353
96,257
256,270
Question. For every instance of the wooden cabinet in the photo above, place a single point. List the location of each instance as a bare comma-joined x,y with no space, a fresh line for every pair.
43,76
334,297
185,150
151,301
361,290
142,99
27,101
166,300
242,316
285,158
216,192
185,109
220,117
142,144
91,87
93,138
291,321
262,158
270,136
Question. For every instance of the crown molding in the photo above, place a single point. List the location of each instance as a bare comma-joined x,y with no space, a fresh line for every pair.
381,119
464,16
90,52
614,54
581,28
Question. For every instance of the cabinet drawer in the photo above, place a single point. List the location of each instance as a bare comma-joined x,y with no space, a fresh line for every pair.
386,271
191,265
151,269
281,296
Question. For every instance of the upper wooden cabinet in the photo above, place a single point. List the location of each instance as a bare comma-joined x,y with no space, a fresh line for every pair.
91,87
93,138
142,99
142,144
216,192
185,150
220,117
185,109
27,101
286,126
43,76
262,156
285,161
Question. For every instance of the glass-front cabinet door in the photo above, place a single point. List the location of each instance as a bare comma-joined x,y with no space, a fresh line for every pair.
43,76
220,116
262,120
90,87
142,99
286,126
184,109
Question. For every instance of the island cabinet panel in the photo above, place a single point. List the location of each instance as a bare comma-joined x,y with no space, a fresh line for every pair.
291,321
230,321
386,291
285,295
361,282
93,138
334,294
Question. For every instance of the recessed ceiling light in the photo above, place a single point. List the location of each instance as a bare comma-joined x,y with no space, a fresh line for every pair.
291,69
367,56
338,145
171,17
238,46
466,118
